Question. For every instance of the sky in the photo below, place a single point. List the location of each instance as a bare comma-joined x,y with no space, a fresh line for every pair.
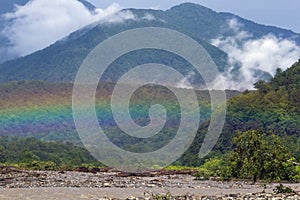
281,13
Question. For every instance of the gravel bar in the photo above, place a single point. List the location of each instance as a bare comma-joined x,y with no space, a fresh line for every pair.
36,185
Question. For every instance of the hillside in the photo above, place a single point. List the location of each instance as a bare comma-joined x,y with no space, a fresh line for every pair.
39,155
44,110
60,61
275,107
209,24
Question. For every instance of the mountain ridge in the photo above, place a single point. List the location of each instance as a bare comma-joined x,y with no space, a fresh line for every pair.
60,61
273,107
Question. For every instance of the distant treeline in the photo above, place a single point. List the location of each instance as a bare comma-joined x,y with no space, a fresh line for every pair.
31,153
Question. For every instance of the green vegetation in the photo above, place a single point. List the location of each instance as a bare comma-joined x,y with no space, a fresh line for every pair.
260,135
255,155
214,167
30,153
179,168
274,107
44,111
283,189
167,196
261,157
263,128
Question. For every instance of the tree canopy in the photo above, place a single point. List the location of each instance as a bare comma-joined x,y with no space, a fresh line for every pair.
260,155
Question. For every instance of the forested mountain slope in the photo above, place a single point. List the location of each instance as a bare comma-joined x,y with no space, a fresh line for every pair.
275,106
60,61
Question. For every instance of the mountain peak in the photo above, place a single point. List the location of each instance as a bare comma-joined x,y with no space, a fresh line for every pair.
191,6
88,5
60,61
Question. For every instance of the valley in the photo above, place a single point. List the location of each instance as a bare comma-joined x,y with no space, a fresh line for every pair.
44,155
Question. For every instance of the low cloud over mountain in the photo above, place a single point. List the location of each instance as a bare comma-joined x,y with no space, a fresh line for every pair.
251,59
243,51
38,24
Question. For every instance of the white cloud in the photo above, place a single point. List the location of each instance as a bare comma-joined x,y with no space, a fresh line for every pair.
42,22
149,17
184,83
265,54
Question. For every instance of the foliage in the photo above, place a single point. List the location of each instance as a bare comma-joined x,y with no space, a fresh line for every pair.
39,165
44,110
261,156
214,167
211,168
280,189
34,154
274,107
179,168
202,174
297,174
166,196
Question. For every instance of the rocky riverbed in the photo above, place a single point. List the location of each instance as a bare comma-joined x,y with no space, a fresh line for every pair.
109,184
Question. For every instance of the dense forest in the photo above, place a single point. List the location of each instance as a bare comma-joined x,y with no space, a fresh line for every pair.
274,106
31,153
270,113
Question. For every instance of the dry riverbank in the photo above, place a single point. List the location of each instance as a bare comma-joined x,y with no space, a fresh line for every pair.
34,185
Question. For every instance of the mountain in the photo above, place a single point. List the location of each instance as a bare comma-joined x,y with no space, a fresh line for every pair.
60,61
44,111
9,7
275,107
88,5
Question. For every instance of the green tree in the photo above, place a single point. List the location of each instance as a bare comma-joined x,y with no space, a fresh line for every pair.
2,154
262,86
260,156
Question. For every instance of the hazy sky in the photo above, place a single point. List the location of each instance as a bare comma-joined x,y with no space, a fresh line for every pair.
281,13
